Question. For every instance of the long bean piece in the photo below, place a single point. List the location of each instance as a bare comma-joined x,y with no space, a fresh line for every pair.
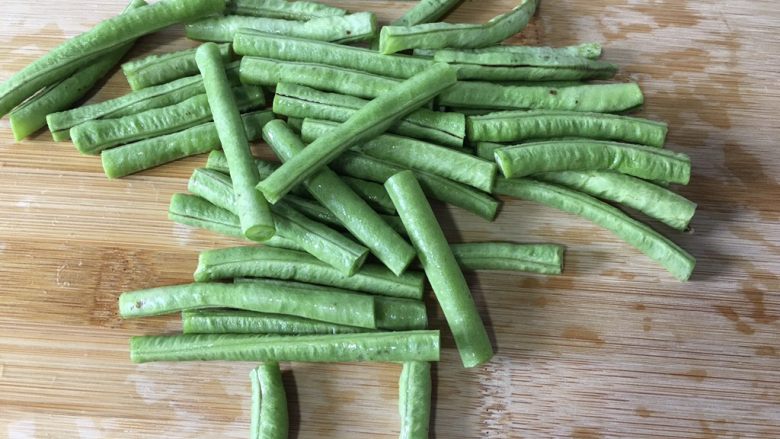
414,399
441,269
475,72
514,52
269,403
278,263
374,346
425,11
676,260
104,38
533,258
370,120
230,321
159,69
288,10
641,161
440,35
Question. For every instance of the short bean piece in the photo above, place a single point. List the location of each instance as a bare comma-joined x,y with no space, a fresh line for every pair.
269,403
532,258
414,399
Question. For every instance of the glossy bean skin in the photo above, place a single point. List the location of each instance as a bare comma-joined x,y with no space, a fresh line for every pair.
375,346
231,321
441,269
268,418
288,10
414,399
676,260
531,258
512,52
159,69
645,162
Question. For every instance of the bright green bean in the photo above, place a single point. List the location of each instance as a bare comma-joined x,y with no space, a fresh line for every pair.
512,52
676,260
414,399
159,69
373,346
229,321
374,194
288,10
532,258
367,122
285,264
440,35
269,418
102,39
441,269
425,11
641,161
340,29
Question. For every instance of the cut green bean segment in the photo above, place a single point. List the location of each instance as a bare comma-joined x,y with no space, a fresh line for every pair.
317,211
676,260
597,98
298,101
104,38
374,346
414,399
441,269
230,321
519,126
269,418
641,161
440,35
513,52
159,69
531,258
30,116
654,201
288,10
135,157
531,57
218,162
425,11
374,194
472,72
339,29
367,122
286,264
351,210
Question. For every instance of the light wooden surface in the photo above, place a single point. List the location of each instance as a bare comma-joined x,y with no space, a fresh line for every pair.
613,348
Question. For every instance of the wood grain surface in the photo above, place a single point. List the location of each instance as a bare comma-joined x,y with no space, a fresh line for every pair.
615,347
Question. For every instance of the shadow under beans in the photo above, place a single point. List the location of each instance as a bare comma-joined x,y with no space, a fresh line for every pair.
293,407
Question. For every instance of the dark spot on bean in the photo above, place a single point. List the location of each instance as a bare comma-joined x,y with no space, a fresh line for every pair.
553,91
139,304
349,32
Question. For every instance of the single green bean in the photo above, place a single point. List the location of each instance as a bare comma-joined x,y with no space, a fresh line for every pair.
135,157
440,35
340,29
641,161
584,50
519,126
529,58
367,122
374,346
288,10
318,212
286,264
229,321
414,399
425,11
441,269
374,194
104,38
269,418
533,258
676,260
159,69
473,72
218,162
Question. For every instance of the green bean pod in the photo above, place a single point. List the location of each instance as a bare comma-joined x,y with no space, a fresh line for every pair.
510,54
374,194
676,260
441,269
540,57
286,264
531,258
340,29
158,69
288,10
414,399
425,11
373,346
641,161
472,72
269,418
231,321
318,212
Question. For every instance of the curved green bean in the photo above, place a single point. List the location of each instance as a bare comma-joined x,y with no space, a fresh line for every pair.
518,126
341,29
269,403
373,346
425,11
227,263
230,321
676,260
440,35
532,258
506,54
641,161
414,399
288,10
158,69
441,269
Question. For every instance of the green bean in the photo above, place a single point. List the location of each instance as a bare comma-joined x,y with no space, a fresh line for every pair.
441,269
425,11
472,72
218,162
374,194
518,126
269,403
440,35
512,52
599,98
159,69
318,212
528,58
96,135
285,264
414,399
367,122
374,346
102,39
654,201
356,215
676,260
533,258
340,29
288,10
298,101
30,116
641,161
229,321
135,157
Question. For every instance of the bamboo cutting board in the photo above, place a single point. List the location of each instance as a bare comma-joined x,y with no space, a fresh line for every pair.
613,348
